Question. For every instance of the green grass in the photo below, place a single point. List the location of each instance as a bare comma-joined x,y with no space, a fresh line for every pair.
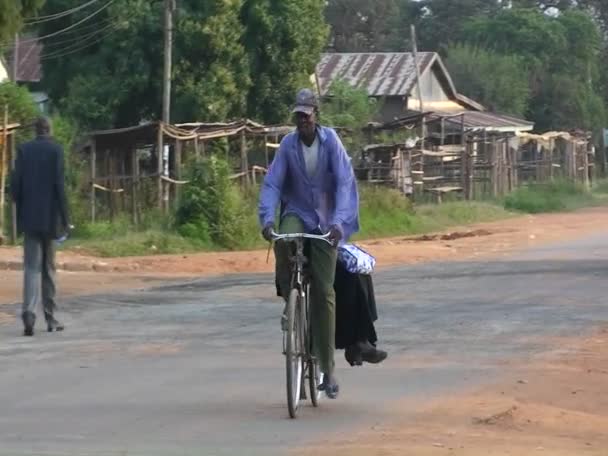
384,213
149,242
553,196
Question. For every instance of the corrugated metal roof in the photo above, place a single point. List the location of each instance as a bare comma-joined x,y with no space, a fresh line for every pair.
382,74
484,120
29,66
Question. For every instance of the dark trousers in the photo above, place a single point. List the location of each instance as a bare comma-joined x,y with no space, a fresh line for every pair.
39,274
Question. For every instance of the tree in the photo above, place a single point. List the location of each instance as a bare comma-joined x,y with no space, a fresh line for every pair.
351,108
348,106
114,78
212,72
441,21
283,39
361,25
232,58
530,33
12,14
498,81
107,72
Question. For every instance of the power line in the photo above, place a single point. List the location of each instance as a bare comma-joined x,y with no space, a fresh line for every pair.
89,29
58,32
55,16
81,44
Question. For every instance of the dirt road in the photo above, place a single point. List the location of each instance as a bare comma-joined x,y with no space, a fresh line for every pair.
505,353
485,240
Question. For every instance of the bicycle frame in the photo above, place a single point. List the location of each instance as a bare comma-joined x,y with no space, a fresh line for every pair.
300,284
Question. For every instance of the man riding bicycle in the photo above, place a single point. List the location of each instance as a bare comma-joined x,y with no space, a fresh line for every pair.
312,178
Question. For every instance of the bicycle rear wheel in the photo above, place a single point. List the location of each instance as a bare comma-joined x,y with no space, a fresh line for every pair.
293,353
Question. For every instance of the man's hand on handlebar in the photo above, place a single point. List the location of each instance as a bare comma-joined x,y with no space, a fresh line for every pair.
335,235
268,231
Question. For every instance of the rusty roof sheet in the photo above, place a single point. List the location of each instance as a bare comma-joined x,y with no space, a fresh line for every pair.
29,67
484,120
382,73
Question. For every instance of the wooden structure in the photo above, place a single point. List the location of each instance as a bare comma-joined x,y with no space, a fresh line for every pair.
7,161
473,162
142,165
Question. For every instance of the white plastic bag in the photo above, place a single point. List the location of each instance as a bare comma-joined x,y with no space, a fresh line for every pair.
355,259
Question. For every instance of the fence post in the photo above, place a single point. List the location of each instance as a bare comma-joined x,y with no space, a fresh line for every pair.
3,166
178,167
159,164
586,166
93,165
134,183
244,161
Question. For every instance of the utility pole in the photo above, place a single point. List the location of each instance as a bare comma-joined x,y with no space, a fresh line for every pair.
16,59
415,52
421,107
168,54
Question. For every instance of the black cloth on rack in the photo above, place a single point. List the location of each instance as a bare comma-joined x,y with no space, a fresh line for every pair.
355,308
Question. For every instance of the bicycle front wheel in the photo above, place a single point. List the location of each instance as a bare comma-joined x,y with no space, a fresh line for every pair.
293,353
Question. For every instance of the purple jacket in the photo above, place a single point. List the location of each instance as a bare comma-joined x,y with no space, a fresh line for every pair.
329,198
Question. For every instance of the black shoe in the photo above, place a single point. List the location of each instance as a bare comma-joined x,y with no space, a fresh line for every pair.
353,355
371,354
54,325
28,323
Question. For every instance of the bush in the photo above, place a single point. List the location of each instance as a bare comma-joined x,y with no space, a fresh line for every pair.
553,196
21,107
212,208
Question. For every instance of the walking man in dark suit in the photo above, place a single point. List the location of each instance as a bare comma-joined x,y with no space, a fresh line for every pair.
37,187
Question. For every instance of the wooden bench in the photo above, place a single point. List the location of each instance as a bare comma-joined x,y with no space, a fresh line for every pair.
440,191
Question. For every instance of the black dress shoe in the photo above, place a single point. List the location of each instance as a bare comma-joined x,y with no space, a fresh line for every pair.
353,355
371,354
54,325
28,323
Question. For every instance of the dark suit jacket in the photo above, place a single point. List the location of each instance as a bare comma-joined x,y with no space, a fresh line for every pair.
37,187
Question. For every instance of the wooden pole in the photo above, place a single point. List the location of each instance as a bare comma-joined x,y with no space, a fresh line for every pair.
420,102
244,162
494,162
3,165
463,160
168,57
121,181
16,57
197,152
134,184
266,150
110,175
178,167
93,176
13,205
159,164
586,167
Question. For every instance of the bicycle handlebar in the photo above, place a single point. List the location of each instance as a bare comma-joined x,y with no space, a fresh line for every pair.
285,237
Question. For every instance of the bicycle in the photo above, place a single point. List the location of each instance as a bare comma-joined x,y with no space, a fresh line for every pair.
300,363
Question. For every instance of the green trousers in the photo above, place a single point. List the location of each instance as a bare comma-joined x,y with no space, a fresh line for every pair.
322,258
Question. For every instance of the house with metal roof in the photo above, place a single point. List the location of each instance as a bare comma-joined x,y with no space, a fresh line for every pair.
28,50
393,80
